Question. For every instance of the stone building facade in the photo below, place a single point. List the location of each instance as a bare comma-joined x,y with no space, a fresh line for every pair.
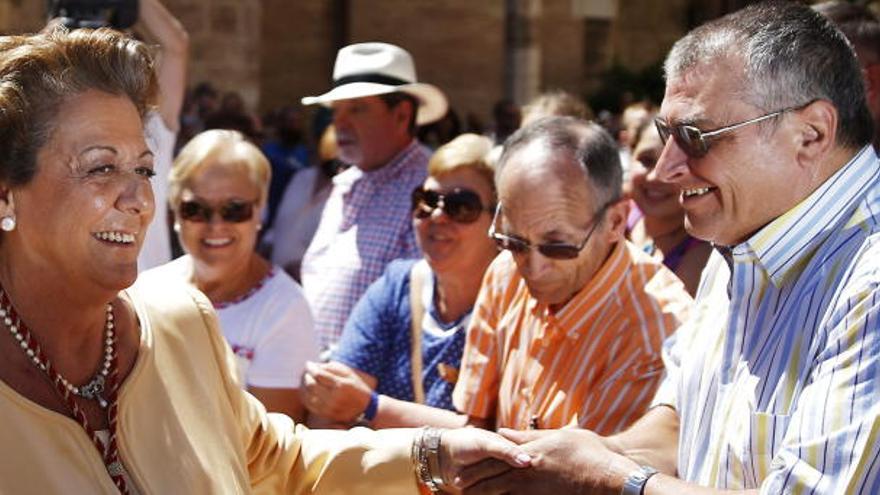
275,51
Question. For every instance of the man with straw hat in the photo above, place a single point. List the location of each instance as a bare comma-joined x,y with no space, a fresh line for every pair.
377,104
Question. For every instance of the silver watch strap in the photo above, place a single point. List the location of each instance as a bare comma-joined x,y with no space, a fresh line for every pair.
636,481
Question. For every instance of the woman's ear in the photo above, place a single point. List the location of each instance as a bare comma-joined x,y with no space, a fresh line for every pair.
7,203
7,210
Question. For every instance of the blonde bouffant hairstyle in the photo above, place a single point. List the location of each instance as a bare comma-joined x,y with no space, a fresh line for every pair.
466,151
38,73
218,147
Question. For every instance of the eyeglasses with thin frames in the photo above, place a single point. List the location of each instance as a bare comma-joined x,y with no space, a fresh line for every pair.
696,142
552,250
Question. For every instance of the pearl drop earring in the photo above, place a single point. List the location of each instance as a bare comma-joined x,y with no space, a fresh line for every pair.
7,223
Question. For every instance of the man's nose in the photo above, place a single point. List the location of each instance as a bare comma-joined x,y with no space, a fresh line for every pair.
340,119
672,165
534,264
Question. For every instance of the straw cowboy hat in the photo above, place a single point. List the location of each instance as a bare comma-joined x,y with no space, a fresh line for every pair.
370,69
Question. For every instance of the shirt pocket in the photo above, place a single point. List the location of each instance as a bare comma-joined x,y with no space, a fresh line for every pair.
766,433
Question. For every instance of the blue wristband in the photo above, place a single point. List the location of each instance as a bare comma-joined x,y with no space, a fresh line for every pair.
372,406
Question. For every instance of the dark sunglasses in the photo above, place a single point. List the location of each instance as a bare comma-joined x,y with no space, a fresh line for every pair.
232,211
460,205
695,142
552,250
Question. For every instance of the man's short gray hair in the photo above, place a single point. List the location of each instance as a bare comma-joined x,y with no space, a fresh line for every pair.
587,142
791,56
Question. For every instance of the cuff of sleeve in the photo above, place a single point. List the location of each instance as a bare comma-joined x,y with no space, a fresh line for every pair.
372,406
665,395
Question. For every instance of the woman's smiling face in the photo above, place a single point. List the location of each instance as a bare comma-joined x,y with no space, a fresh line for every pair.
84,215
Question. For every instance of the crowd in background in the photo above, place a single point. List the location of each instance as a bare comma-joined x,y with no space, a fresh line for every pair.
293,137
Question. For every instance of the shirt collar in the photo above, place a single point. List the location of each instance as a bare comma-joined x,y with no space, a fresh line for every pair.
353,174
395,165
784,245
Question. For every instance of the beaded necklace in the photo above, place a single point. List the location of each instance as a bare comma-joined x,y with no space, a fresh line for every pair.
102,388
250,292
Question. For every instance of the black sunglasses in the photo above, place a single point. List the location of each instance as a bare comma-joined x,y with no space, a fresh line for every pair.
552,250
232,211
460,205
695,142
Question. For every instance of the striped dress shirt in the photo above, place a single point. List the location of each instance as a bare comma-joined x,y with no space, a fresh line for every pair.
776,379
594,363
365,224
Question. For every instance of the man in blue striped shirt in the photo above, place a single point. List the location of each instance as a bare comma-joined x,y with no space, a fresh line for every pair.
774,386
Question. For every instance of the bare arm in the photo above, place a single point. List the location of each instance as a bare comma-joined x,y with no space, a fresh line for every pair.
395,413
651,441
173,41
669,485
339,394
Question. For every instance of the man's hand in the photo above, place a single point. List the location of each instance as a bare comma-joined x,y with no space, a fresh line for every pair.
465,447
563,461
334,391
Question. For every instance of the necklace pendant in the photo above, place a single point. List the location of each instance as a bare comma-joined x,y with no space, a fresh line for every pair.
115,468
93,389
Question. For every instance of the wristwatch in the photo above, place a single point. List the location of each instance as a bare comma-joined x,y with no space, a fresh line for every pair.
636,481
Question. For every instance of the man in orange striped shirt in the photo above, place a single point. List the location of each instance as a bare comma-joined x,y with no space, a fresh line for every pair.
570,319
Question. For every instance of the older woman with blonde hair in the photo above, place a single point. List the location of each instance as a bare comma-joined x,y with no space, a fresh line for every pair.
402,346
217,190
110,388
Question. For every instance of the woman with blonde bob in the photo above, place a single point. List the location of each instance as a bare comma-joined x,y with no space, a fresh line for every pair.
109,388
404,340
217,190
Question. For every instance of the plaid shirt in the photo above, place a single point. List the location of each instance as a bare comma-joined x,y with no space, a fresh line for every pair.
365,225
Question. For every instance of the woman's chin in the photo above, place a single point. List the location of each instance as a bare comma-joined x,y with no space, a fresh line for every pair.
120,278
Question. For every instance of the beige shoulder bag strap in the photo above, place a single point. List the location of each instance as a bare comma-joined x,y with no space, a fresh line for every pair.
417,311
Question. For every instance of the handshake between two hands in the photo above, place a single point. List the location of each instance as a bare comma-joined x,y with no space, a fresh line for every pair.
475,461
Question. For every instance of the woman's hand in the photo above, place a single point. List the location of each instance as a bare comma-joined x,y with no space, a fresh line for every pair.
335,391
464,447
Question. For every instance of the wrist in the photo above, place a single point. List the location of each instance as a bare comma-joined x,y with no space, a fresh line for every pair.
372,406
617,471
369,413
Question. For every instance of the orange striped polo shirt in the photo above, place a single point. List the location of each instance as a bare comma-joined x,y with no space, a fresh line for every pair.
594,363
